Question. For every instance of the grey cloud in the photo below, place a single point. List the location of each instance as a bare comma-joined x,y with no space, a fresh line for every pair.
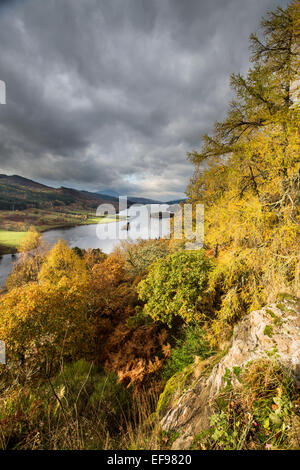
114,93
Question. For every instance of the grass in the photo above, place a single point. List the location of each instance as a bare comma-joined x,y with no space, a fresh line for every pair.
80,407
9,241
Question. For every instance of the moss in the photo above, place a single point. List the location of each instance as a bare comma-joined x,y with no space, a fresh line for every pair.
272,352
213,361
170,437
268,331
276,319
286,297
281,306
182,381
177,383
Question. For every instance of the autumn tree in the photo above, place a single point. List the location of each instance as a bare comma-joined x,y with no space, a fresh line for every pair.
62,263
51,317
265,93
26,268
31,241
45,322
111,287
247,175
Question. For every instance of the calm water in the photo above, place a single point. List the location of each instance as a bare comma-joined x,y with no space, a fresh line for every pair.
104,236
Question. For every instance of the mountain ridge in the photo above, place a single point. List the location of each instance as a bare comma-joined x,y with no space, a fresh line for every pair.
17,192
138,200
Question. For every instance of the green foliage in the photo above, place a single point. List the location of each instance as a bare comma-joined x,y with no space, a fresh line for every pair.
174,388
93,392
193,344
110,398
175,287
134,321
268,331
73,377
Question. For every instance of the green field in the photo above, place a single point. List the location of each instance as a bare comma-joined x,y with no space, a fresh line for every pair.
9,241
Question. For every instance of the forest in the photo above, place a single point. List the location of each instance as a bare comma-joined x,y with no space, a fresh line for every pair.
94,341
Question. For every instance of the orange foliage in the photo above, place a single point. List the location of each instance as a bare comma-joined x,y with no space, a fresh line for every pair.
135,354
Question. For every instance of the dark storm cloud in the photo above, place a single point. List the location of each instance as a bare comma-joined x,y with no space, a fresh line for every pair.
114,93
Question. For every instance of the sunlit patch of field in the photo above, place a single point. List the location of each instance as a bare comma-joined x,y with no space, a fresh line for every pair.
104,220
10,240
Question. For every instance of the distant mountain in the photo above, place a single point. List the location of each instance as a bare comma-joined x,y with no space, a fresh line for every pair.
177,201
130,199
19,193
108,192
136,200
143,200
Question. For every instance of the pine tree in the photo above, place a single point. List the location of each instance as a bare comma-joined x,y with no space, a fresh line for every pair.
265,94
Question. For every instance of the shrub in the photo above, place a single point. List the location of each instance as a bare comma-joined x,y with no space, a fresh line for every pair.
175,287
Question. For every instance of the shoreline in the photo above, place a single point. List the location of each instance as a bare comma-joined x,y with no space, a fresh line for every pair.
12,250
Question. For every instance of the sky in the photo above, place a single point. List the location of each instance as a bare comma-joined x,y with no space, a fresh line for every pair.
112,94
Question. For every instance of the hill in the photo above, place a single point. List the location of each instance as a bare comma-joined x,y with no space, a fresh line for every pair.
25,203
18,193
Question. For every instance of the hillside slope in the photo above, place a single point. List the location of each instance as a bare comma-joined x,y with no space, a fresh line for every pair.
18,193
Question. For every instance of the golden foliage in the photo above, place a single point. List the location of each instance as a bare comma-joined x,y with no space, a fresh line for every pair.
31,241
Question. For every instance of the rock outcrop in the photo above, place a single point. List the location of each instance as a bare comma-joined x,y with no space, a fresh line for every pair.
272,332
